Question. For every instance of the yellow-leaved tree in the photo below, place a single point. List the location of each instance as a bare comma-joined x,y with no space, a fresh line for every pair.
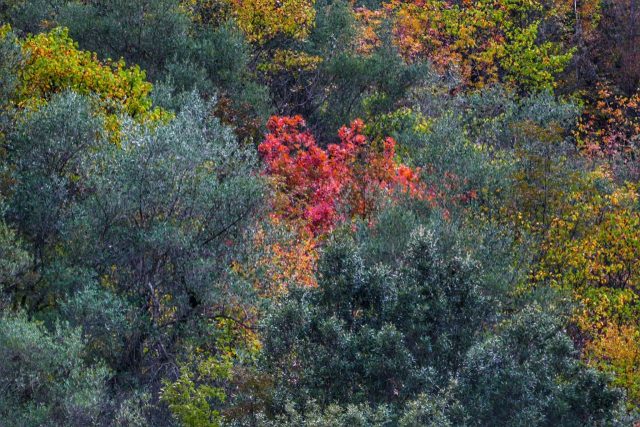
52,62
591,251
260,20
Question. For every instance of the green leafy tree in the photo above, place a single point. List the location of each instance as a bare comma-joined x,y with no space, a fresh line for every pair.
393,315
148,33
44,378
529,374
410,326
165,221
49,153
134,244
328,82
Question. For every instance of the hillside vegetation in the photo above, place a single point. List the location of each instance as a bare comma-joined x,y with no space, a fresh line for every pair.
319,213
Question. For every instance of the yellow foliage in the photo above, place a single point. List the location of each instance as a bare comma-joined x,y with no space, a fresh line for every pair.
596,241
617,350
53,63
262,20
290,60
592,252
485,41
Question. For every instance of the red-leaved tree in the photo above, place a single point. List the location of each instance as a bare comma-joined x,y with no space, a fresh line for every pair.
323,187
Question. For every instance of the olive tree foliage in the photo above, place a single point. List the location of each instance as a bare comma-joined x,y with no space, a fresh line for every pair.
160,37
535,135
217,60
28,16
528,373
415,327
44,380
490,119
10,56
392,316
15,264
167,216
134,245
15,260
515,154
147,32
49,153
424,411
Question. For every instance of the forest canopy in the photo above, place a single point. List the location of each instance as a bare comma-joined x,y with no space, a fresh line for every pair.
319,213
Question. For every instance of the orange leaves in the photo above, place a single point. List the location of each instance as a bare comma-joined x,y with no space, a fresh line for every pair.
464,37
370,21
286,260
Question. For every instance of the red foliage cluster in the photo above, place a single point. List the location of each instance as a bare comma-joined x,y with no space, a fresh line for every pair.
325,186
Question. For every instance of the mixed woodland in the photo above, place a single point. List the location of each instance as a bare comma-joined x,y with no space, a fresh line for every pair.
319,213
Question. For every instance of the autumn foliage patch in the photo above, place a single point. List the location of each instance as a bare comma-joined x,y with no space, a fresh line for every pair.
325,186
